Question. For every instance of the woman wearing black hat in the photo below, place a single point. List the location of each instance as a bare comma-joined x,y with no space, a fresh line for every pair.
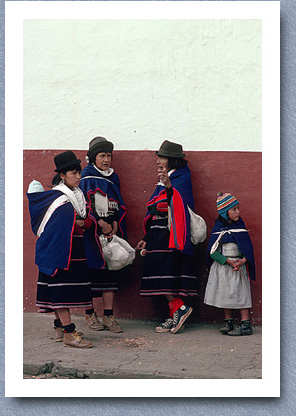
168,263
101,188
58,218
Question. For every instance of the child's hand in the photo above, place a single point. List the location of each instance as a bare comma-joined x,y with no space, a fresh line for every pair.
237,263
231,263
240,262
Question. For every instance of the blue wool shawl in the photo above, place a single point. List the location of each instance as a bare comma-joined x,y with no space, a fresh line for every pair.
53,247
91,182
242,239
182,197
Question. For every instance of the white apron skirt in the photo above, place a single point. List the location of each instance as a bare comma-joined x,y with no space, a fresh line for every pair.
227,288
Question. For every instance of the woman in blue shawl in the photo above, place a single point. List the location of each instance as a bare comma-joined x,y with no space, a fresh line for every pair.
168,263
101,188
231,258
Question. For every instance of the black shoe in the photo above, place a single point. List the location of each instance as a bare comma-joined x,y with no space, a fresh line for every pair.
165,326
180,317
228,326
243,329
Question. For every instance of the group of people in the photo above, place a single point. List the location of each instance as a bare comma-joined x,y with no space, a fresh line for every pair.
86,204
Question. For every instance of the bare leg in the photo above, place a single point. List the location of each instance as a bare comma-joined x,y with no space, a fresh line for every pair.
228,313
244,314
64,315
108,299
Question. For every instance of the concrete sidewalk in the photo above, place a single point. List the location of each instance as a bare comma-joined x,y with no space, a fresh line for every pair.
198,351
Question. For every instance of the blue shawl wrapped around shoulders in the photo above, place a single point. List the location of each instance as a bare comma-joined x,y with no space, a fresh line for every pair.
242,239
182,197
93,181
53,247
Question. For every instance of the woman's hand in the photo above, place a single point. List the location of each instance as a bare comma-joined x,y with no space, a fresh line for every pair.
80,223
105,227
141,245
115,228
164,178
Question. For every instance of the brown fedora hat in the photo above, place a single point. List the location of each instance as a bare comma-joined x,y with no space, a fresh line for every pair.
170,149
97,145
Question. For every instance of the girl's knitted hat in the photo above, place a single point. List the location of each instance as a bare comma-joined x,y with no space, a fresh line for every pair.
224,203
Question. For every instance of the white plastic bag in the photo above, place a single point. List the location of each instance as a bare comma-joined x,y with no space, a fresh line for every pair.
117,252
198,228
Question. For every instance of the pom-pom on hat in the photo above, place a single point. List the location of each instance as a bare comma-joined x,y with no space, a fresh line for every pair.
98,145
224,203
66,160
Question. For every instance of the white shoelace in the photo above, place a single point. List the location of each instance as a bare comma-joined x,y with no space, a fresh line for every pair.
175,319
168,322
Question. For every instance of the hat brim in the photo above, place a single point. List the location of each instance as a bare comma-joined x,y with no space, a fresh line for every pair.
101,147
170,154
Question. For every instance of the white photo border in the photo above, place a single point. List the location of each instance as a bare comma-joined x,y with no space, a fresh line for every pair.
268,12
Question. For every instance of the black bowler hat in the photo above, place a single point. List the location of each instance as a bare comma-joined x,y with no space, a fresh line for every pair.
170,149
98,145
66,160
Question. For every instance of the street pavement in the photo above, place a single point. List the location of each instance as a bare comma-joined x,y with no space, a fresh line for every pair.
198,351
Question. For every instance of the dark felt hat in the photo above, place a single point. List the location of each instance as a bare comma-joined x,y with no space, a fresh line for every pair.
66,160
170,149
98,145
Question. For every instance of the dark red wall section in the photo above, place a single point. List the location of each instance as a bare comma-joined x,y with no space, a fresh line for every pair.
239,173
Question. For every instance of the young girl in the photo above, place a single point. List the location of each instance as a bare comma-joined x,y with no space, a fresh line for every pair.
231,257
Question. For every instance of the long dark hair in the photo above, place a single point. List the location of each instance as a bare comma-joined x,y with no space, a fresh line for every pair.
176,163
57,178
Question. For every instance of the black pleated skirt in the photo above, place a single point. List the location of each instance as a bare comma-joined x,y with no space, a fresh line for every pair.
104,280
67,288
166,272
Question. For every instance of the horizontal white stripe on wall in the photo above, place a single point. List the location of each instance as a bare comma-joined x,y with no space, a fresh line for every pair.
139,82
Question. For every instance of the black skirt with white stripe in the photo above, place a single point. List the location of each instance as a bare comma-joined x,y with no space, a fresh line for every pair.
166,272
67,288
104,280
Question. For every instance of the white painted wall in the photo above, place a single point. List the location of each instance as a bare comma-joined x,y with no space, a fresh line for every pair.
138,82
